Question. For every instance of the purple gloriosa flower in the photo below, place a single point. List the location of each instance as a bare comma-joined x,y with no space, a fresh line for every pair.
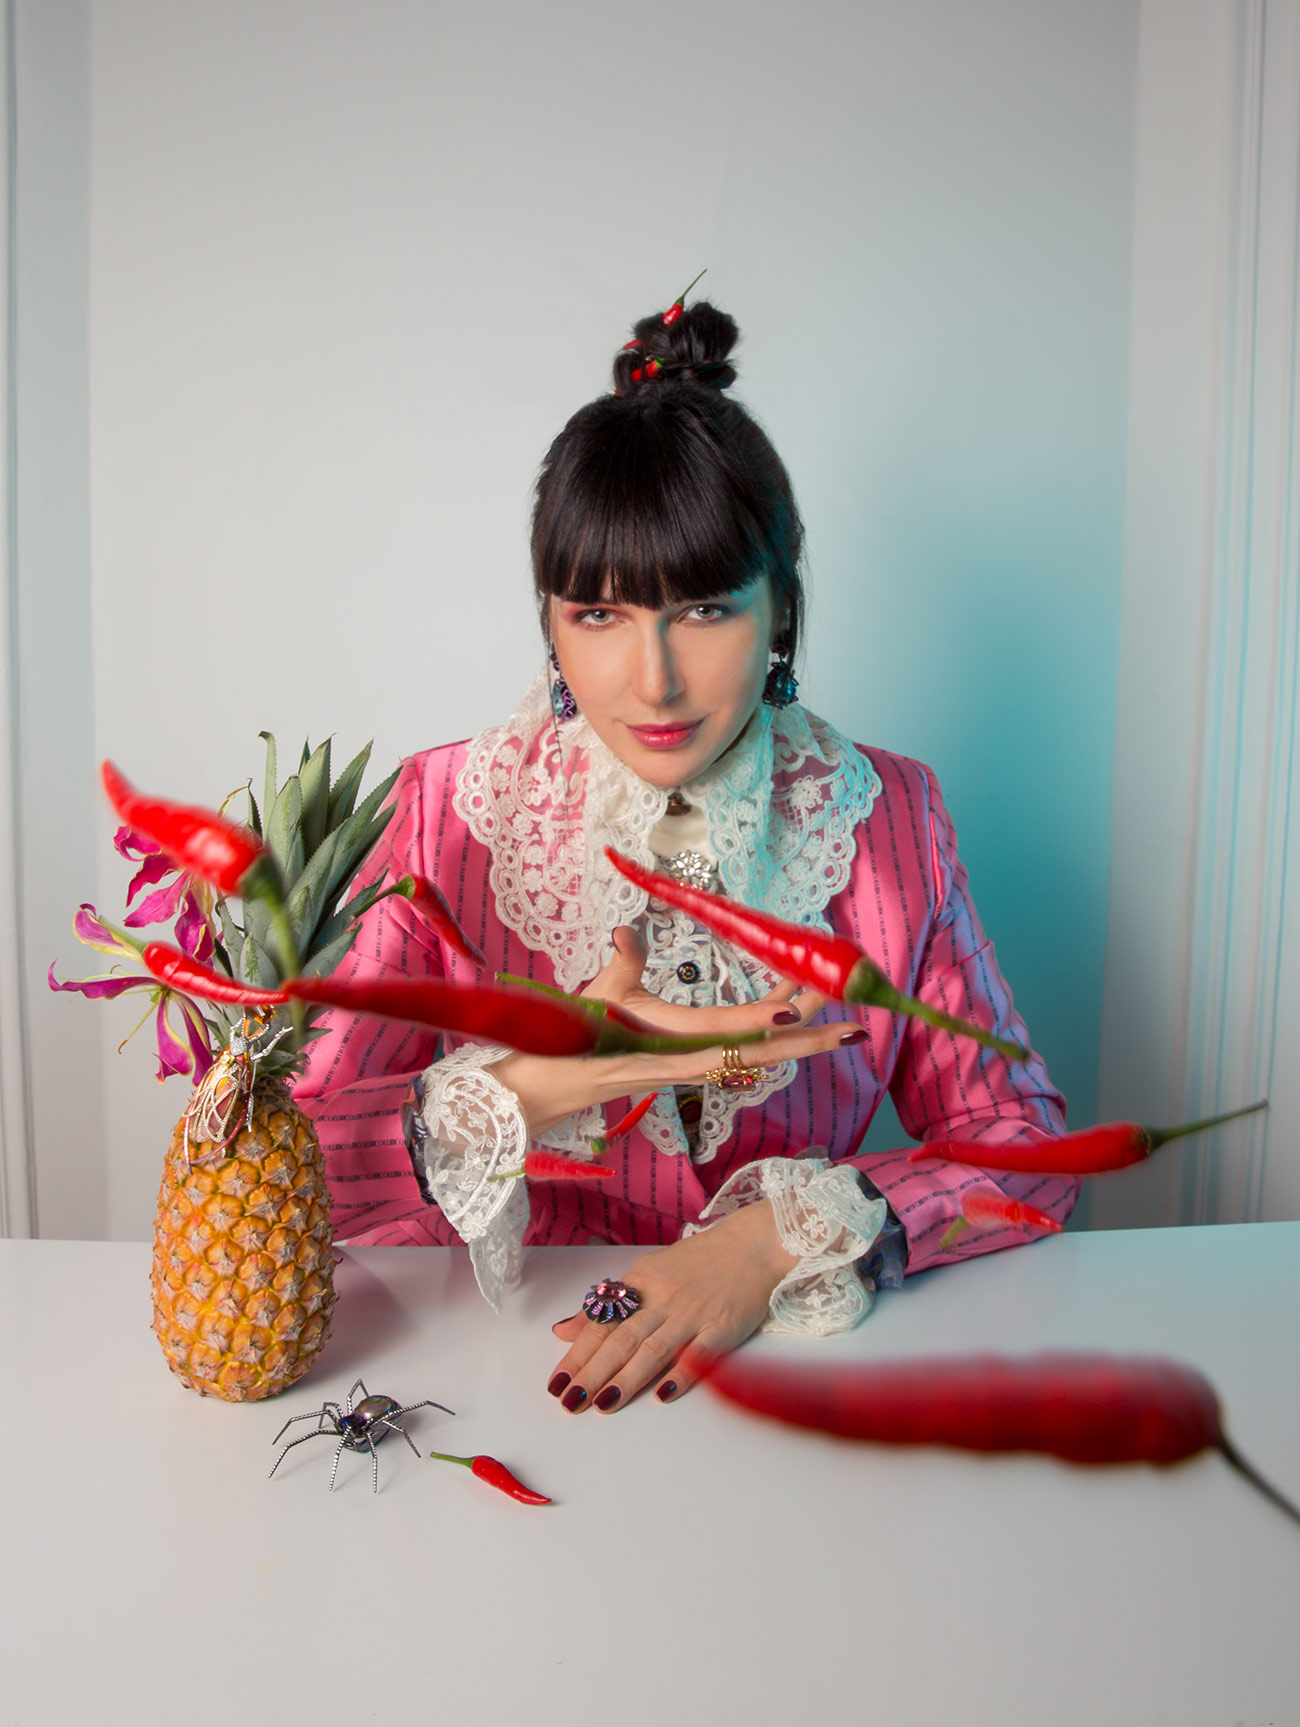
173,1055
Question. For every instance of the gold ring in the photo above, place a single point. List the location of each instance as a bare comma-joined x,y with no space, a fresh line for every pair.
732,1074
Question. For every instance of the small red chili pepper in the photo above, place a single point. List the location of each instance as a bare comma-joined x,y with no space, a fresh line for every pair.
526,1020
678,306
1092,1151
634,343
830,964
550,1166
987,1208
597,1008
429,900
626,1123
178,971
652,368
1085,1408
496,1475
637,375
202,842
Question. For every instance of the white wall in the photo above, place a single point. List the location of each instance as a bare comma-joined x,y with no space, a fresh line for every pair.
350,267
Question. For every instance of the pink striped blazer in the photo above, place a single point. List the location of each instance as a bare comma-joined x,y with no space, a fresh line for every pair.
906,904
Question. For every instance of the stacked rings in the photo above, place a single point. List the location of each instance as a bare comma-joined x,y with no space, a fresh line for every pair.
732,1074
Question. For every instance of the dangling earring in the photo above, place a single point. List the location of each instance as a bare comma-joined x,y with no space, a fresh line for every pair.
563,706
782,686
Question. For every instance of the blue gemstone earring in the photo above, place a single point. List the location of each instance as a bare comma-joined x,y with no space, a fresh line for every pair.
563,706
782,686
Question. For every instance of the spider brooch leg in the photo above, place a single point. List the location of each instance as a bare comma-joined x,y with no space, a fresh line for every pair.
391,1422
337,1455
318,1433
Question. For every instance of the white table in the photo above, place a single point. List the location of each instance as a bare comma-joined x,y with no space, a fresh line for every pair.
698,1566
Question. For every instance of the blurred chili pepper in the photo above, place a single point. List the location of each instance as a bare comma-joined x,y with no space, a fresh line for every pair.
1091,1151
1084,1408
987,1208
550,1166
176,969
220,852
526,1020
626,1123
428,899
830,964
496,1475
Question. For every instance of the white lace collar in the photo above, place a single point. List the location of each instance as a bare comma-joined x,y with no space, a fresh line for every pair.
782,807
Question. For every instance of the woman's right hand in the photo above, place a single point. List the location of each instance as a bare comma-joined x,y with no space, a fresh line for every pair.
550,1088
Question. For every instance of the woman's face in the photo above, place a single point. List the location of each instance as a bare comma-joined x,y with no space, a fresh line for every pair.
669,690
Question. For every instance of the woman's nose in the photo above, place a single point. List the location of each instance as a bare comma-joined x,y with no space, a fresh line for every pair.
659,680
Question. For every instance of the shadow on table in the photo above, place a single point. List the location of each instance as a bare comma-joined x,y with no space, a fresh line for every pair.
368,1314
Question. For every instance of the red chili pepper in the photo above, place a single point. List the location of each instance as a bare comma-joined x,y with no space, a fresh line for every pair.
178,971
626,1123
550,1166
496,1475
1084,1408
675,311
1092,1151
987,1208
429,900
198,840
526,1020
830,964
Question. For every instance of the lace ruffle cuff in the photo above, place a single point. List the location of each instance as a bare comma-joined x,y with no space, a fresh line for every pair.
462,1127
823,1217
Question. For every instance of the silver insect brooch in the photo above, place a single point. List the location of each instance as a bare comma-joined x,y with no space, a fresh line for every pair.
360,1427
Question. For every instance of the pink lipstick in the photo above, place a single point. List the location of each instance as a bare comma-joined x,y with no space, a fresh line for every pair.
664,737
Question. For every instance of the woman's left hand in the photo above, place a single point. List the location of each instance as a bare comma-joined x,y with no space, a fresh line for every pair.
710,1291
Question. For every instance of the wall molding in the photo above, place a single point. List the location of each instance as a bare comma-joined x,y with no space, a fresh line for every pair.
1245,765
17,1151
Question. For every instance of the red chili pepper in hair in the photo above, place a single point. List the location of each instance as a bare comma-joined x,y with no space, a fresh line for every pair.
1092,1151
678,306
430,901
496,1475
178,971
1084,1408
830,964
200,841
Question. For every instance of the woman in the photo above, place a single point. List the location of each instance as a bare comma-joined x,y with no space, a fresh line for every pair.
666,548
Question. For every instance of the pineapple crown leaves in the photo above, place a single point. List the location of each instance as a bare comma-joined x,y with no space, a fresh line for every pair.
319,836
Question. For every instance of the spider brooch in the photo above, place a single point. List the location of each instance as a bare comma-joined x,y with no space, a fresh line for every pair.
361,1427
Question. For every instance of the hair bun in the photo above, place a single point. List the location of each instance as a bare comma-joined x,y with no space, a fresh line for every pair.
692,350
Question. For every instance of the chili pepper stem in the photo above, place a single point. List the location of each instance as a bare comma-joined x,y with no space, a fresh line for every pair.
446,1456
867,987
1240,1464
1158,1136
501,1175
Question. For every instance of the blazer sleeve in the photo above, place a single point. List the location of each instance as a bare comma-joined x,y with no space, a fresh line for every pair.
945,1086
359,1070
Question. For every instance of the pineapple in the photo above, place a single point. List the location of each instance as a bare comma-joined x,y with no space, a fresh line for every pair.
243,1261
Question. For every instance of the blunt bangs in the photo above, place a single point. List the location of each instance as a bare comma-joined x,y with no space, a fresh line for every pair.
663,496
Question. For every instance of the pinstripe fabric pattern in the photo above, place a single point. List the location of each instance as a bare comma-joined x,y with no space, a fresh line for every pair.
906,904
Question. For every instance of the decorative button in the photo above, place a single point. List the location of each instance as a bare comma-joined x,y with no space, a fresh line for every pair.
688,971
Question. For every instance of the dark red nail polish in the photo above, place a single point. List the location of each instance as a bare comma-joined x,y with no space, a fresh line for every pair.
574,1398
566,1319
857,1035
558,1384
666,1390
608,1397
786,1016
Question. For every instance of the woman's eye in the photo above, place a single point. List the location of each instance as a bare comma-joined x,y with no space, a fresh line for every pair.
592,616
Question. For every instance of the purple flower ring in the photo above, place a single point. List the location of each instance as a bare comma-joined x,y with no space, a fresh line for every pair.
610,1299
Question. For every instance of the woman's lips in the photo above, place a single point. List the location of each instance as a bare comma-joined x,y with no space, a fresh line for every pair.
664,737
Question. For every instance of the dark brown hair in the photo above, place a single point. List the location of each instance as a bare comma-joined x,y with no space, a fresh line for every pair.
668,486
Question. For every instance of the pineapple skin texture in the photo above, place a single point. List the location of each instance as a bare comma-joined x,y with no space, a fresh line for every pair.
243,1263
